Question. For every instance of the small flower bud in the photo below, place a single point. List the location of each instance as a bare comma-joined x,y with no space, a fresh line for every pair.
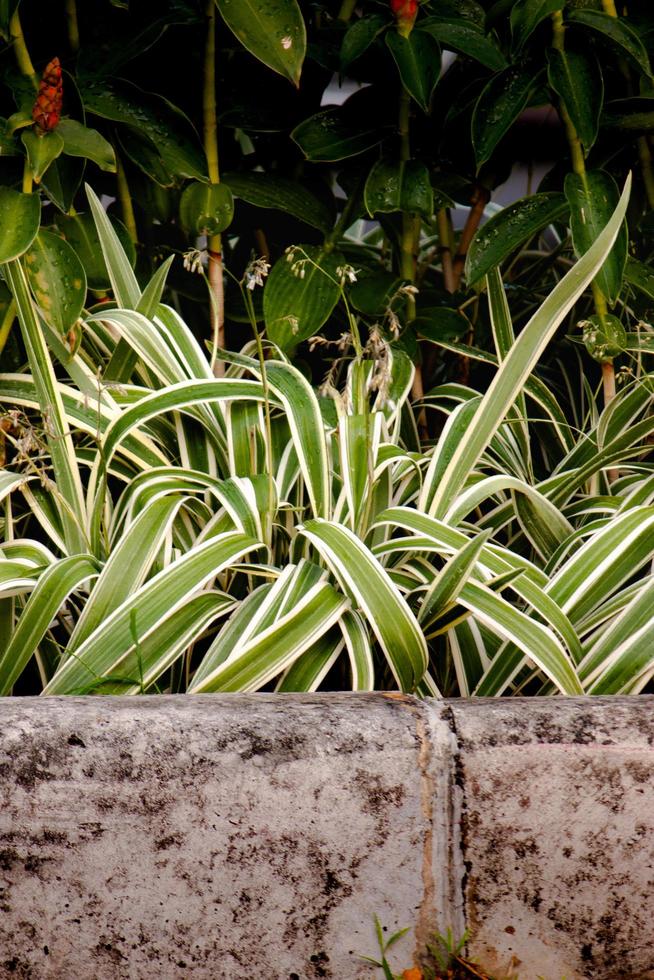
405,12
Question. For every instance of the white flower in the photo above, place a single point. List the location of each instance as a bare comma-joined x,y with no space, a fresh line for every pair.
346,274
195,259
255,273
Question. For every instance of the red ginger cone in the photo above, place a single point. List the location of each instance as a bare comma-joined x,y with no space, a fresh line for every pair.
46,111
405,12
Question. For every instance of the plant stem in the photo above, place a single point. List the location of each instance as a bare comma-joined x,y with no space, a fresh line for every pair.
347,9
408,249
579,168
478,202
644,151
445,250
125,199
72,25
214,242
23,59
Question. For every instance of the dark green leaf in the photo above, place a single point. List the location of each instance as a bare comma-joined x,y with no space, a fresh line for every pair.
360,36
592,199
333,135
617,31
526,15
398,185
62,179
300,295
509,229
640,276
206,209
272,31
577,80
80,141
273,191
144,154
79,230
154,117
604,336
418,60
7,9
466,39
635,114
441,323
498,106
41,150
57,280
457,11
20,215
372,294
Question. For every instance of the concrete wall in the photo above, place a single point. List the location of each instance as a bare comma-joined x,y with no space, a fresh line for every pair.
256,837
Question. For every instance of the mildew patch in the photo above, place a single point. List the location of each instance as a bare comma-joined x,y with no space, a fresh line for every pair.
560,841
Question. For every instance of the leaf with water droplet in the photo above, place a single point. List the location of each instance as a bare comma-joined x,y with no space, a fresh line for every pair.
592,198
20,215
272,30
509,229
57,279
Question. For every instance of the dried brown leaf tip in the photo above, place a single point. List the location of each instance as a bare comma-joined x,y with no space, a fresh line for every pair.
46,111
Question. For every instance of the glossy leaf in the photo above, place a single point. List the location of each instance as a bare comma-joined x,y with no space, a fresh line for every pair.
398,185
510,228
206,209
153,117
41,150
497,108
333,135
592,199
418,60
298,299
272,31
20,215
467,39
360,35
81,141
526,15
57,280
618,32
62,180
577,80
274,191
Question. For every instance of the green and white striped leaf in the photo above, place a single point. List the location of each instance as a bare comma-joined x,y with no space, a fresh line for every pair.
388,615
521,360
151,605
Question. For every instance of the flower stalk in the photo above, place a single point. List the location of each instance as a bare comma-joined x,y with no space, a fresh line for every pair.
214,242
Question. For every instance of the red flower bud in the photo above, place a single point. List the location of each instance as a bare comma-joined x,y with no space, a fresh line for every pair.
46,111
405,12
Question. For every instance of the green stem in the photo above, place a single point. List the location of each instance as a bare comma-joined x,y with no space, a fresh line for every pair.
20,49
28,177
72,25
346,11
210,136
407,242
579,168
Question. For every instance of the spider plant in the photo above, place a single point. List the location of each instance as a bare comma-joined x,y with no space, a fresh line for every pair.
183,532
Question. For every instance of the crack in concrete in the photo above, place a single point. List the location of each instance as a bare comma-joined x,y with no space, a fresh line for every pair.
458,838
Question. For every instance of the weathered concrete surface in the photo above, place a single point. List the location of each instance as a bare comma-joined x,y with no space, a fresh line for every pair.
237,837
558,835
252,837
